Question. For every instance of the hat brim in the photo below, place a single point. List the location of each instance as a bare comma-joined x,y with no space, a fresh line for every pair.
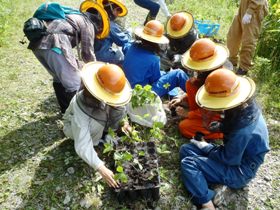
85,5
246,91
90,81
119,4
217,60
159,40
186,28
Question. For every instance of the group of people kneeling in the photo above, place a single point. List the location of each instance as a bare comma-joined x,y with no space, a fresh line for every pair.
217,102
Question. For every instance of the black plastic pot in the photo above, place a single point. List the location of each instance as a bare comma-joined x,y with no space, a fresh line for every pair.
148,188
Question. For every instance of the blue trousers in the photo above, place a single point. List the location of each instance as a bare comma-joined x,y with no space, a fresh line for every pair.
198,171
175,78
153,7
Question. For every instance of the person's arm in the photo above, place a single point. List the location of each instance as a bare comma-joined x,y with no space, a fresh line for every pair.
83,142
84,148
87,34
118,36
231,153
177,101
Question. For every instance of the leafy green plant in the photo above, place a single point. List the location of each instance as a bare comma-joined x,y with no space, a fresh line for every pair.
163,149
271,35
142,95
120,158
120,175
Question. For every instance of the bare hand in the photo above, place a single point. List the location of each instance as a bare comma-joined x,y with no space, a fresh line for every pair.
126,128
174,102
108,176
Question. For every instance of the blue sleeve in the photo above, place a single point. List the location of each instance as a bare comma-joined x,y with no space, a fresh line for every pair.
119,37
231,152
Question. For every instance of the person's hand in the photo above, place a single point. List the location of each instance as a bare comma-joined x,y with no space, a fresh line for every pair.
199,144
126,128
246,18
108,176
174,102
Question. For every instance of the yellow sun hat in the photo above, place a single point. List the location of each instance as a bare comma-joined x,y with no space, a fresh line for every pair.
204,55
224,90
107,83
153,32
118,3
179,24
89,5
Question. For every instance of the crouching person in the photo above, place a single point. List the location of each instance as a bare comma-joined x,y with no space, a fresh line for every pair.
246,142
94,110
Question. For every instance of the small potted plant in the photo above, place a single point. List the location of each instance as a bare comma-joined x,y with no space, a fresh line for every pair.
145,107
136,163
135,155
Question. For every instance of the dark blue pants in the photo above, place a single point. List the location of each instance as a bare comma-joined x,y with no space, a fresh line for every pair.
198,171
153,7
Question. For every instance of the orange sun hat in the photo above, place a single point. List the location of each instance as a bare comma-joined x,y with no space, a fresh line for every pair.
224,90
107,83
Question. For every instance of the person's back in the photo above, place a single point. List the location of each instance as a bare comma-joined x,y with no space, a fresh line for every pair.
104,49
235,163
95,110
141,66
247,128
54,50
107,50
63,36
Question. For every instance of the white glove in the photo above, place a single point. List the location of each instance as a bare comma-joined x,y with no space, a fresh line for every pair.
246,18
199,144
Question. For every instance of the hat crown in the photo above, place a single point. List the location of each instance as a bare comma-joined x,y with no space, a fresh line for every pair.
154,28
202,49
222,83
177,21
111,78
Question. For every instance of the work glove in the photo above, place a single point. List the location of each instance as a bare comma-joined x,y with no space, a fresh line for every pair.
200,144
214,126
246,18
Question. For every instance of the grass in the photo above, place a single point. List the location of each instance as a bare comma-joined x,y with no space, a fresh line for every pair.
39,168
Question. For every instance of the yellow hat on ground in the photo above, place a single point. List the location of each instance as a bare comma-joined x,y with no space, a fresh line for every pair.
123,8
179,24
88,5
224,90
204,55
107,83
153,32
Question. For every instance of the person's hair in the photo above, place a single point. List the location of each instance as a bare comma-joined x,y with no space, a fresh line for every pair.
201,77
95,18
109,7
233,117
150,46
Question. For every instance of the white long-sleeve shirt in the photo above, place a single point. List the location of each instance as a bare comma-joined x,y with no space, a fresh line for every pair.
85,131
